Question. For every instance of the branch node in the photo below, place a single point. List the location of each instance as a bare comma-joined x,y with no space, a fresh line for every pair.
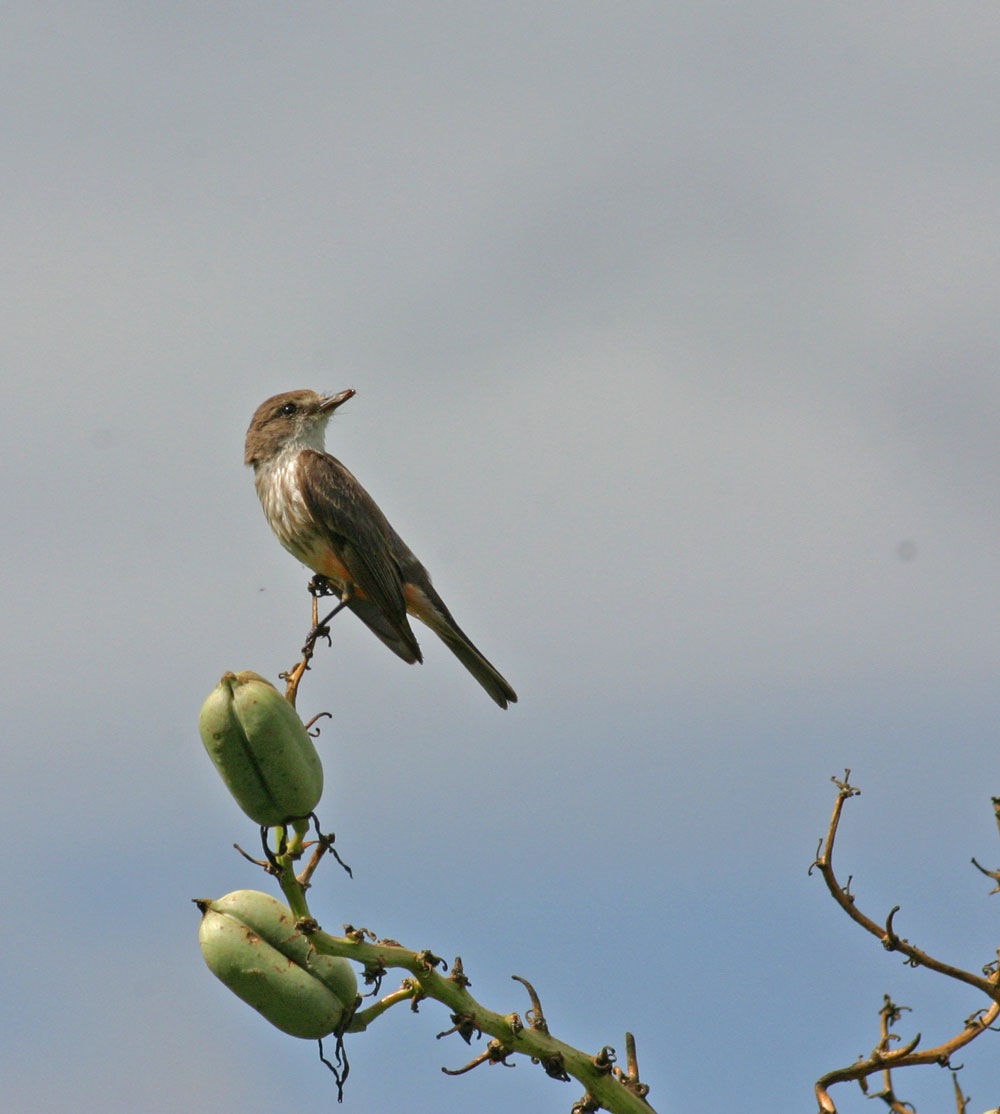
890,941
908,1048
358,935
458,974
256,862
428,960
604,1060
465,1025
816,858
373,976
496,1053
994,874
319,715
630,1079
554,1065
845,787
536,1019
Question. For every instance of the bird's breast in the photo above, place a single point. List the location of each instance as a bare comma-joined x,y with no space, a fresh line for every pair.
280,493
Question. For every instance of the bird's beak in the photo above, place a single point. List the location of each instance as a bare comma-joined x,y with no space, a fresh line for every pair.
331,402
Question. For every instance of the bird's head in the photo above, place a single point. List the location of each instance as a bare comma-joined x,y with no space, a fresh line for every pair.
295,419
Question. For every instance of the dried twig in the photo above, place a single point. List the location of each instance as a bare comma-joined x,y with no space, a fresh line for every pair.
883,1058
319,586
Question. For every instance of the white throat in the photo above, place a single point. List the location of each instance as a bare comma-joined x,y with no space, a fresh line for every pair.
309,435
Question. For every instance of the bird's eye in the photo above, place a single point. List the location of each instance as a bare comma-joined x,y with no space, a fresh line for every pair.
288,408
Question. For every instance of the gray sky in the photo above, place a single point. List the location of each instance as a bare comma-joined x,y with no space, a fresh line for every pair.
675,338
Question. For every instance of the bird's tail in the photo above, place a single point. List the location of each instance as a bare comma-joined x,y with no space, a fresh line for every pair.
429,608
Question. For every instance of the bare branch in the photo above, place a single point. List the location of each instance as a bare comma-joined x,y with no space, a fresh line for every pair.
994,874
318,586
883,1058
960,1099
886,934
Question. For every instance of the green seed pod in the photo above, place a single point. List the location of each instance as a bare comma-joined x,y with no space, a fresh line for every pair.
261,749
249,941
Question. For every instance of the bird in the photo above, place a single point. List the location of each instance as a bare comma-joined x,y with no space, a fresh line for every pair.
324,517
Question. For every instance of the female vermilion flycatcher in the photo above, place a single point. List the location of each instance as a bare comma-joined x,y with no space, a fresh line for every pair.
325,518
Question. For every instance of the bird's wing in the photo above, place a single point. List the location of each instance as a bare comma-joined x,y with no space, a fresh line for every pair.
359,534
